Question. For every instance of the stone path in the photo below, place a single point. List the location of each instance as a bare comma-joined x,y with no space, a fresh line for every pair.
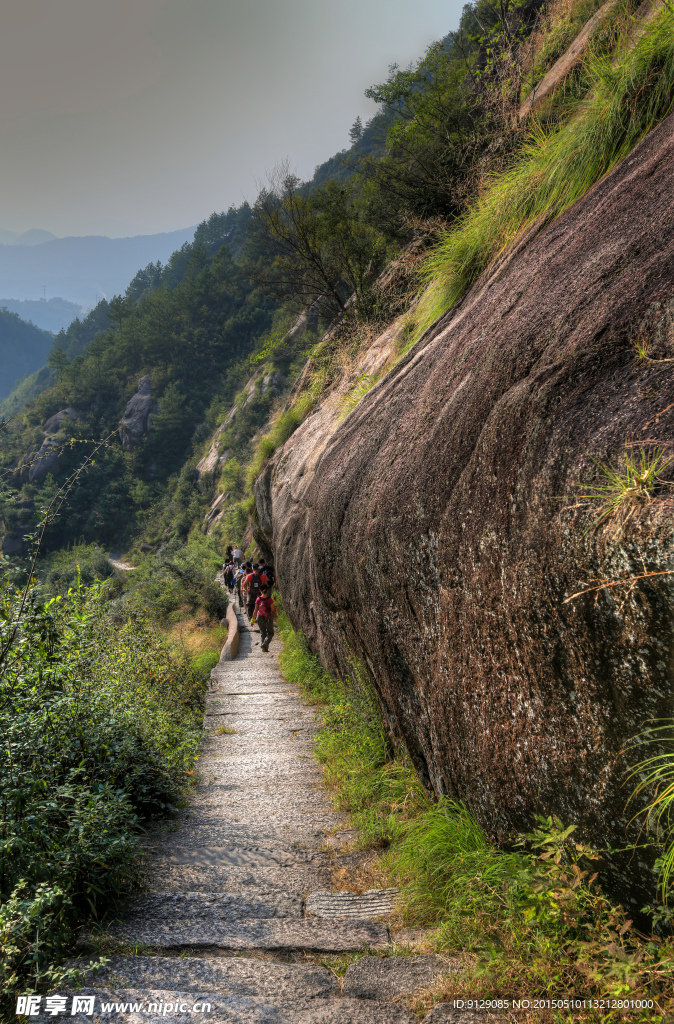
241,902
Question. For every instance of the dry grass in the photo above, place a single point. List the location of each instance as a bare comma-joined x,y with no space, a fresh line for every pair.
197,633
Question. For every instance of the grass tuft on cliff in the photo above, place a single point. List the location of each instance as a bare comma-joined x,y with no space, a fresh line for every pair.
628,97
526,923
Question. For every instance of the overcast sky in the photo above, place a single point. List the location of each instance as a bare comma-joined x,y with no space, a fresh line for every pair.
128,116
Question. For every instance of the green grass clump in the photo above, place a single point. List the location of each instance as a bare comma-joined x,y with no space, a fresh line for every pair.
627,98
528,922
363,385
205,661
621,489
656,775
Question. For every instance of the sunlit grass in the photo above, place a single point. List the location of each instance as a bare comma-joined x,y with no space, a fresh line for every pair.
558,166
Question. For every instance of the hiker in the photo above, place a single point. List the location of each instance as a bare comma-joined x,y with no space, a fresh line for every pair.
254,586
228,576
247,570
268,571
238,579
228,553
264,613
238,556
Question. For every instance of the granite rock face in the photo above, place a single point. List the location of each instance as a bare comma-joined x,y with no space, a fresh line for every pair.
47,460
436,532
54,422
135,423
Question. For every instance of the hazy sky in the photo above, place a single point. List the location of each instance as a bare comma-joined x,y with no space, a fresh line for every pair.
127,116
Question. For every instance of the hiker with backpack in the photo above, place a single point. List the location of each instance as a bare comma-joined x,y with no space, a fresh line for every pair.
253,588
237,581
268,571
264,613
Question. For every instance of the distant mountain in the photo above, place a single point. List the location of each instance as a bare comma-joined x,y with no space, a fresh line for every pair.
34,237
82,270
50,314
23,349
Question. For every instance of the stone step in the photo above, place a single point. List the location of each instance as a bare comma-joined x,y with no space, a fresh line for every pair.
384,978
351,905
134,1006
271,934
231,975
212,831
240,771
268,729
287,713
211,906
209,876
239,857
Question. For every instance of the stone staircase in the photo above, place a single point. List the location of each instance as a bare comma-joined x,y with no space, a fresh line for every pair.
242,899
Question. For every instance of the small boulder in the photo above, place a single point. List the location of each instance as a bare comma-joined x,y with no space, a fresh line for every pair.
272,383
54,422
47,460
135,423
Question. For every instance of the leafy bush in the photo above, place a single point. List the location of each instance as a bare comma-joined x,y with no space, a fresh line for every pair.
179,578
100,726
204,662
62,569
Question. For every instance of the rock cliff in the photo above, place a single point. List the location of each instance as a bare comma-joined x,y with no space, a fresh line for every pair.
136,422
435,534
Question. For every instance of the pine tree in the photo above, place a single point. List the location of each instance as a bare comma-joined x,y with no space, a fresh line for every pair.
356,131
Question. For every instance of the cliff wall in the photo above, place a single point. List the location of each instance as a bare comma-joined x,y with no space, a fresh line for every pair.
435,533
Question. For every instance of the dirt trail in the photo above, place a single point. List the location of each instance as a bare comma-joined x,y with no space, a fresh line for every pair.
241,903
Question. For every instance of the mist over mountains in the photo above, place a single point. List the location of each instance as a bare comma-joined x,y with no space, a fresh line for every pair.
49,314
81,270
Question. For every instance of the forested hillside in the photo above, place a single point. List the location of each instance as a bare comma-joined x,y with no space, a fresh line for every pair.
421,384
23,349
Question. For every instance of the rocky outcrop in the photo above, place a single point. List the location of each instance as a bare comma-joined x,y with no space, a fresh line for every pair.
53,424
135,424
47,460
435,534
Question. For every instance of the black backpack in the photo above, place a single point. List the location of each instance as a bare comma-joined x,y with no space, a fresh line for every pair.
255,585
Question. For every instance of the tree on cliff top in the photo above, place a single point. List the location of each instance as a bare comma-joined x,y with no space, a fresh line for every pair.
312,248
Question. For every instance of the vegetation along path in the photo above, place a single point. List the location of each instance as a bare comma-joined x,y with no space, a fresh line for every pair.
241,907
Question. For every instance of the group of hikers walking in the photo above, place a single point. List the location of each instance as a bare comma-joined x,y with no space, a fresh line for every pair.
253,583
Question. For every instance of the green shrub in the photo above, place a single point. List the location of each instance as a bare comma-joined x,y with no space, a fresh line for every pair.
100,725
179,578
61,570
